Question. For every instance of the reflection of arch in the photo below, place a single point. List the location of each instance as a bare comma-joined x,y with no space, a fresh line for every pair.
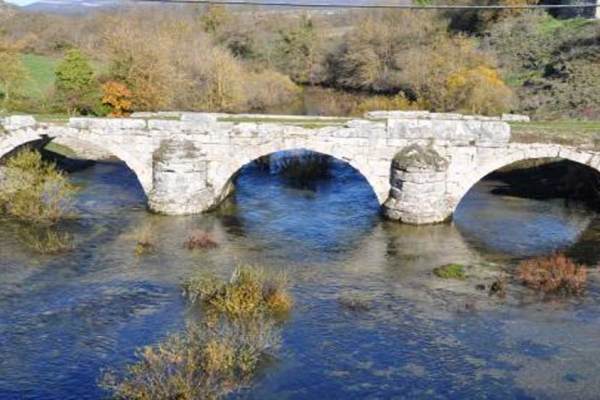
143,173
225,185
511,156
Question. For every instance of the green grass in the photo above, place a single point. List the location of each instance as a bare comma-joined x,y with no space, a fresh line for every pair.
304,122
549,26
573,133
41,75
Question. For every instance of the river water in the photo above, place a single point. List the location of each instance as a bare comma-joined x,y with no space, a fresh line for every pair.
64,319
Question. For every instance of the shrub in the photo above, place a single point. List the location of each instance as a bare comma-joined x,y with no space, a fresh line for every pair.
450,271
145,239
251,291
387,103
33,190
47,241
269,89
208,361
199,240
117,97
556,274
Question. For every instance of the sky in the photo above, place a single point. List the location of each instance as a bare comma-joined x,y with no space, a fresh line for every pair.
20,2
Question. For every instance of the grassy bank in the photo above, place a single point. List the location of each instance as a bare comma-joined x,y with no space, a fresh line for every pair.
570,133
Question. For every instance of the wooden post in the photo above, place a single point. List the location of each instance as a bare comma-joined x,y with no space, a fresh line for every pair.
597,13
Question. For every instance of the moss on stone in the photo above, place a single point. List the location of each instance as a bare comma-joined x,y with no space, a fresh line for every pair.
416,156
450,271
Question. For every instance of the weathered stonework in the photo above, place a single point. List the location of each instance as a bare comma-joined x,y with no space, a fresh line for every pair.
419,164
180,179
418,187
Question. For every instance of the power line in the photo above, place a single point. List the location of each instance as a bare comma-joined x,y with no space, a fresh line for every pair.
263,3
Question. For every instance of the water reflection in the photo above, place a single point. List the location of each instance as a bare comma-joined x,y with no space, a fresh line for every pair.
65,318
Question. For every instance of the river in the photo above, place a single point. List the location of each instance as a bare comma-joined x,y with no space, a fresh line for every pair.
64,319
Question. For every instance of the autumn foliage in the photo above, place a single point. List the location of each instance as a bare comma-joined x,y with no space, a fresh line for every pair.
117,97
556,274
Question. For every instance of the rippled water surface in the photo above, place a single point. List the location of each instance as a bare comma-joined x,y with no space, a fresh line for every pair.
64,319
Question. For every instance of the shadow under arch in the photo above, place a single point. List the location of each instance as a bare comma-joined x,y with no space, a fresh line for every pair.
228,188
548,152
143,174
322,219
502,211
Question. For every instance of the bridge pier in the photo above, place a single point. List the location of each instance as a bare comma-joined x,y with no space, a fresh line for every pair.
179,179
418,187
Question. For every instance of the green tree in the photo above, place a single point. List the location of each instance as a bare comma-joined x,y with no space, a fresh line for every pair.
298,51
76,87
12,74
12,71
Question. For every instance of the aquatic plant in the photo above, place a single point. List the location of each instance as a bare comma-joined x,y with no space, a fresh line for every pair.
450,271
207,361
252,290
145,239
556,274
199,240
355,301
47,241
34,191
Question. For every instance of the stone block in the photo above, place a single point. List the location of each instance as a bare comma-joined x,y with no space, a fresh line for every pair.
18,121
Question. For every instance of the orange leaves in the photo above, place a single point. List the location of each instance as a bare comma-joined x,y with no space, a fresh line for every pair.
117,97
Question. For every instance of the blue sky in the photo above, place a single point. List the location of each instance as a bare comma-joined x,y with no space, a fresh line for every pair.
21,2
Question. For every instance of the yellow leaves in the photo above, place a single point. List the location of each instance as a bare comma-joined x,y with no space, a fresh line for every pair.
466,77
479,90
456,80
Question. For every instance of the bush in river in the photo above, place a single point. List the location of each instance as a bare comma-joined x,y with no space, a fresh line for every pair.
199,240
207,361
47,240
33,190
145,239
556,274
251,291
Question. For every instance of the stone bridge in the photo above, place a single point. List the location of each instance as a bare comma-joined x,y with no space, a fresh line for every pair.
419,164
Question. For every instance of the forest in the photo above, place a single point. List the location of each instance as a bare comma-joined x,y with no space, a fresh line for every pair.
249,59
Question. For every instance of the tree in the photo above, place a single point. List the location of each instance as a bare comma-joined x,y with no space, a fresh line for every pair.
117,97
481,20
75,85
12,74
215,16
298,50
12,71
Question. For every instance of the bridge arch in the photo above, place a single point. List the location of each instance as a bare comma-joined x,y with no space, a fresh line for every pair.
506,157
225,183
143,172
